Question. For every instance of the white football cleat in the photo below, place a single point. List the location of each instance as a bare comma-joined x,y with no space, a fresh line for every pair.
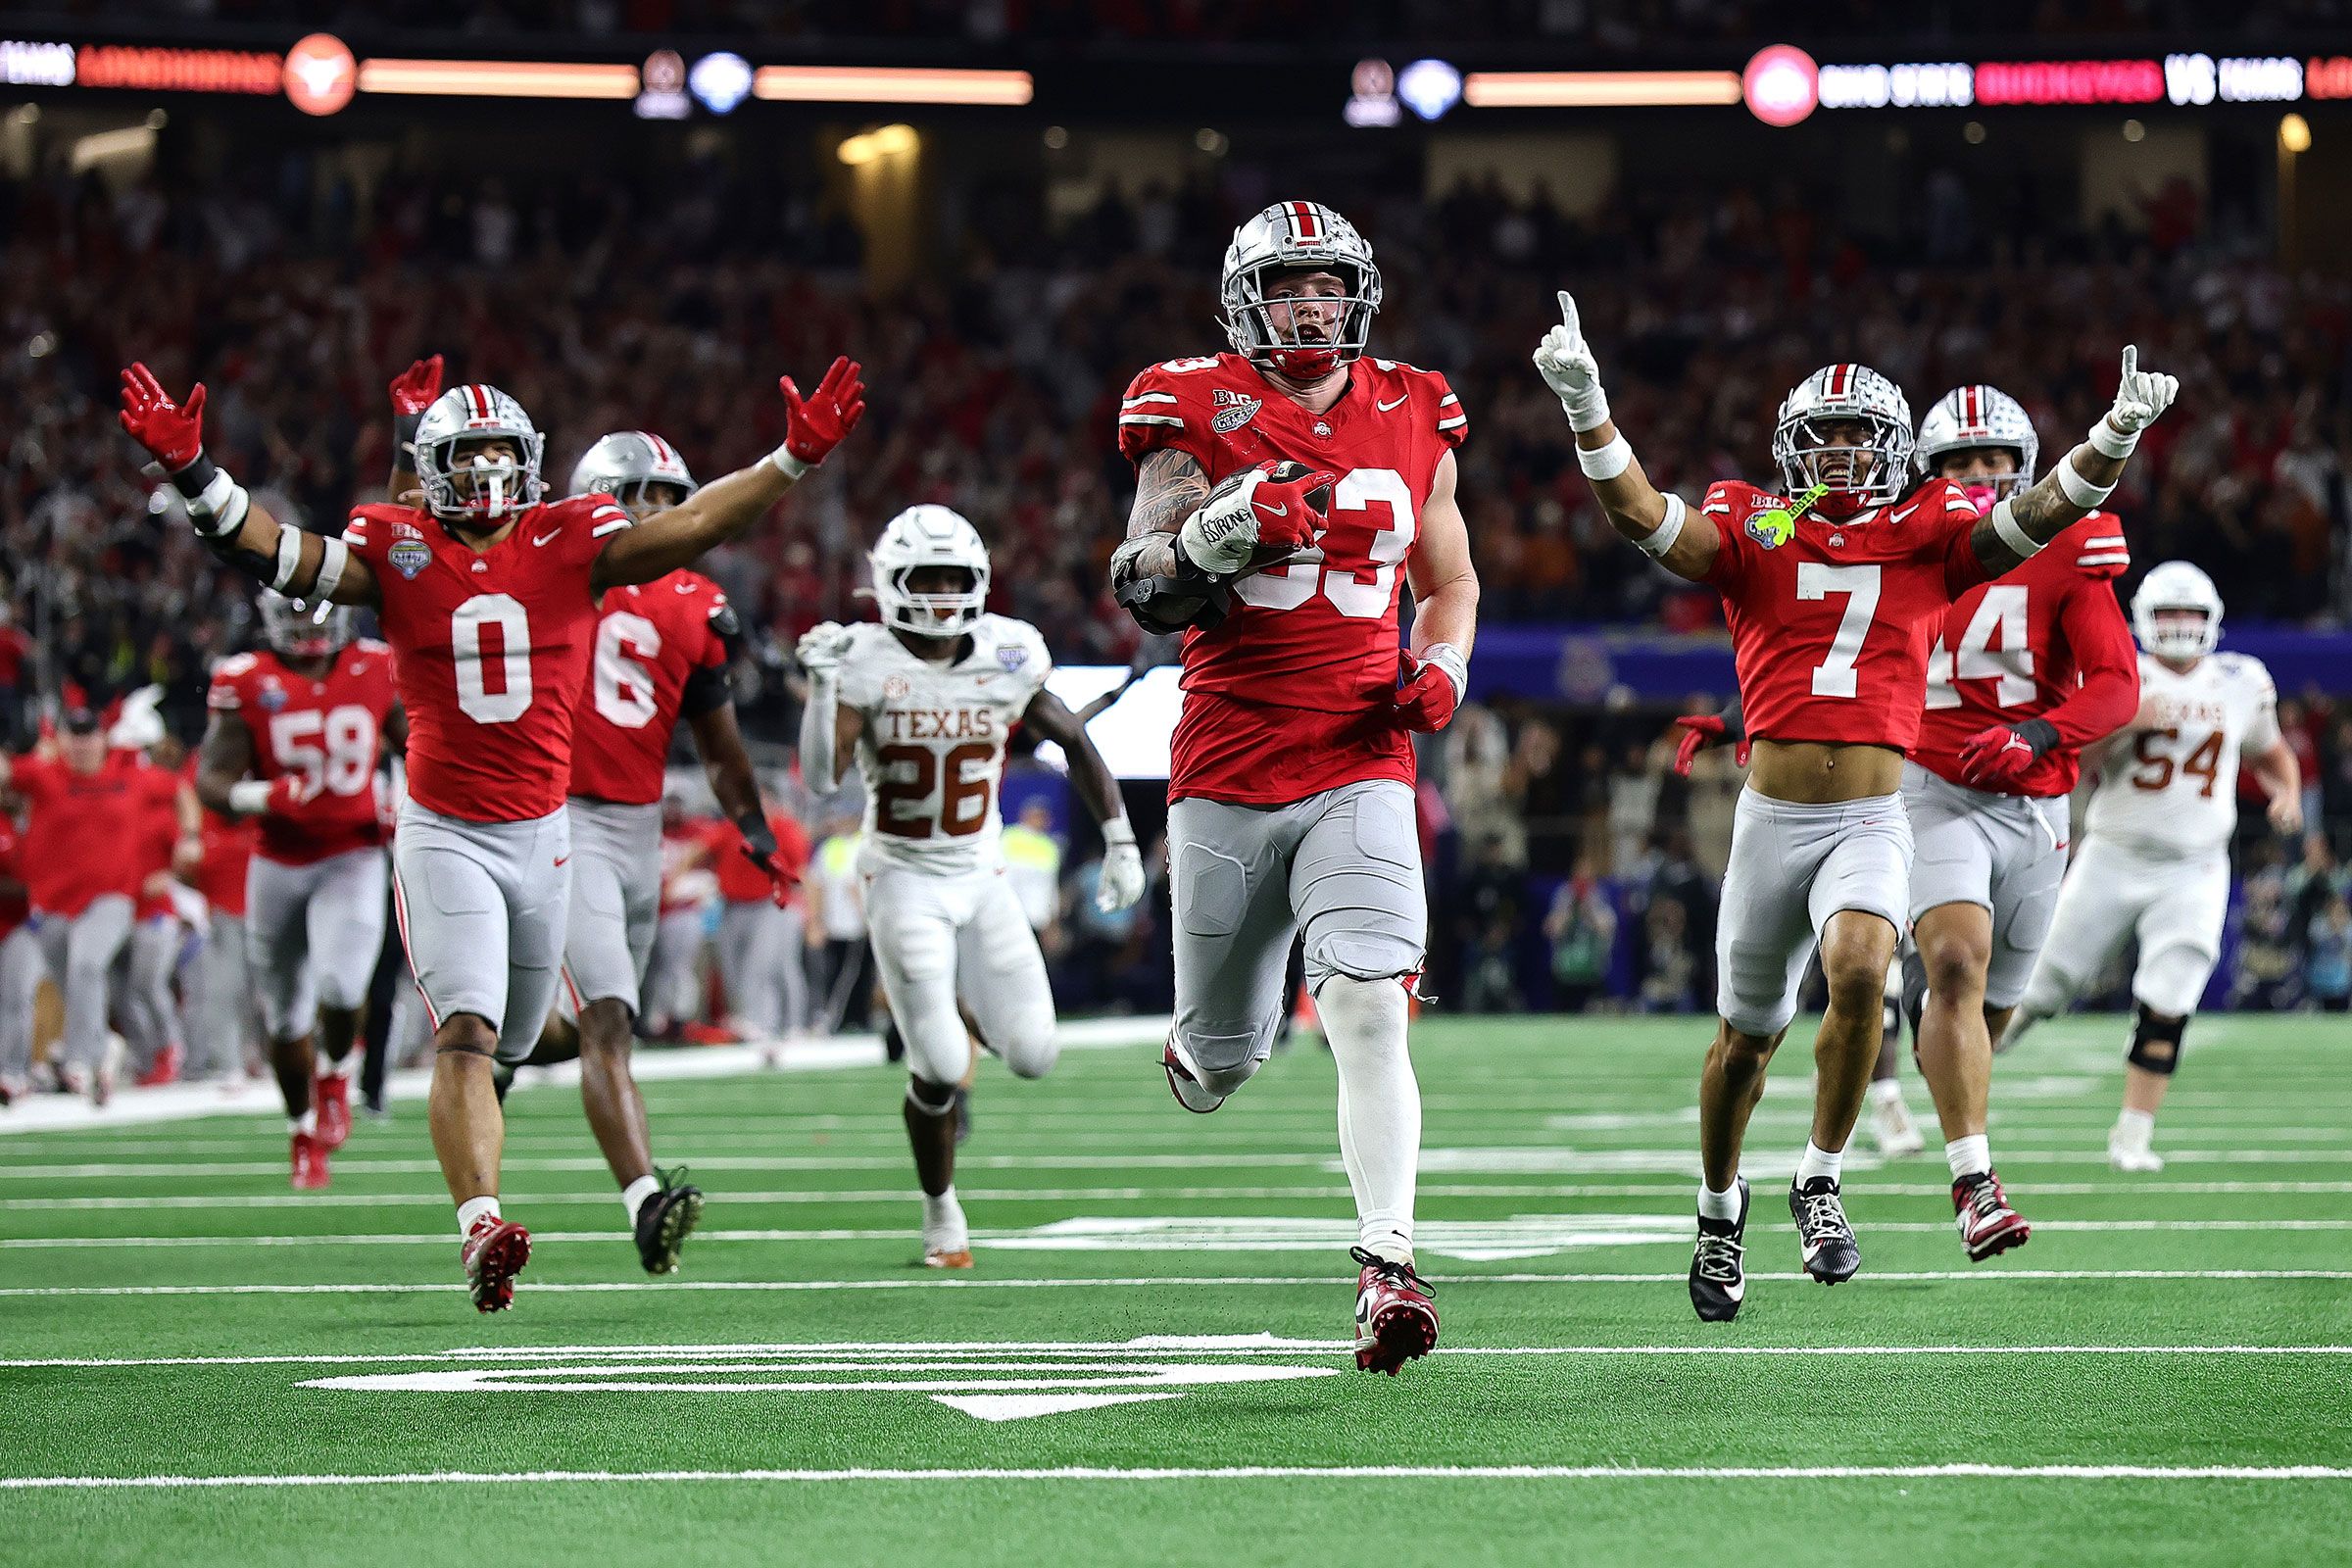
947,1240
1891,1128
2140,1161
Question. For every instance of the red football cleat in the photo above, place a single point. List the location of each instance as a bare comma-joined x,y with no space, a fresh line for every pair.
310,1162
1184,1086
709,1034
1987,1225
165,1070
1396,1321
331,1099
495,1252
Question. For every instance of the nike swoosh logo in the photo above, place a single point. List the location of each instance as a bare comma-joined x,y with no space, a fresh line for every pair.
1273,511
1386,407
565,861
540,539
1897,516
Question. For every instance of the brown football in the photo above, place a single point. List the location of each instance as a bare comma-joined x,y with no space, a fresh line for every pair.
1283,472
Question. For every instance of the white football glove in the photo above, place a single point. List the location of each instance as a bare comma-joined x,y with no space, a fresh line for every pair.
1565,361
2140,397
1122,879
1221,535
821,648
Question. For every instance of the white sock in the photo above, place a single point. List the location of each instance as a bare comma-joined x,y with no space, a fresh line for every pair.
1884,1091
633,1196
2135,1129
1713,1204
1969,1156
335,1069
306,1122
1818,1161
1379,1109
943,1222
474,1208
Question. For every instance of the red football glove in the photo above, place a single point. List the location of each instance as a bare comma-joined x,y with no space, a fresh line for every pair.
1288,518
172,433
415,389
760,848
1996,758
1702,730
1426,693
285,795
815,426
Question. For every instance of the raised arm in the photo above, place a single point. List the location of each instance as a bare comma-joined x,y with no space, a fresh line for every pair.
1673,535
829,731
1122,880
2019,525
724,508
236,529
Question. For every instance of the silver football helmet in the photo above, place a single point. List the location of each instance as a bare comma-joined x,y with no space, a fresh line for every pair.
1980,416
2176,586
625,465
929,536
1876,471
494,491
300,629
1302,236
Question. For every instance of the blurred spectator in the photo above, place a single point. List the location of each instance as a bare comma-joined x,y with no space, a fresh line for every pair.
2330,944
1582,929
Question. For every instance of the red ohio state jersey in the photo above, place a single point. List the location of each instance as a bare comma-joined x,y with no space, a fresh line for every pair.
1830,628
649,638
491,648
2047,641
327,732
1289,697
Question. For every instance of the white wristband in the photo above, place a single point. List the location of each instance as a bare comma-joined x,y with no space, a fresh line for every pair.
331,563
249,797
790,466
2112,443
1606,462
1661,539
2004,525
2079,491
220,510
289,557
1447,657
1119,830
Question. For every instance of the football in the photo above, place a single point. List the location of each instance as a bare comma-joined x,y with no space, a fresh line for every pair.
1283,470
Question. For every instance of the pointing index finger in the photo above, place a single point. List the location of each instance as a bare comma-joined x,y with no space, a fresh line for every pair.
1568,311
2130,361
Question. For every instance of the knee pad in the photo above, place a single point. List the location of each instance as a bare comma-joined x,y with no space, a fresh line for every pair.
1223,1062
2156,1042
1361,956
930,1098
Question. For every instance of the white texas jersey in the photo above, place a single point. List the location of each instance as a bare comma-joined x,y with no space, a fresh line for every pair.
933,749
2172,789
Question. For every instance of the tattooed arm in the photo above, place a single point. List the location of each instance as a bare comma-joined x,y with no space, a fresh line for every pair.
2021,525
1169,486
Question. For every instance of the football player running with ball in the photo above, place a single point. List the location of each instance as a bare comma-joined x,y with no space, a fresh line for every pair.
2155,856
296,733
1286,495
1834,597
925,700
2029,670
487,594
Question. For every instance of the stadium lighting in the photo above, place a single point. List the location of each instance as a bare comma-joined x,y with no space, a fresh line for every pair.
721,81
1600,89
890,84
495,78
2294,133
888,142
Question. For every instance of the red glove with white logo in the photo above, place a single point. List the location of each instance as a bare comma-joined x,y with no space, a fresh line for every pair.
2000,756
1702,730
1430,687
285,795
816,426
415,389
171,432
1269,510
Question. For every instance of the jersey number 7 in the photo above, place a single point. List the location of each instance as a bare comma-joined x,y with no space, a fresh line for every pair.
1835,675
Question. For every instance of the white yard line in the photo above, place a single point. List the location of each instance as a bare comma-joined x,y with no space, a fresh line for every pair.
1916,1472
944,1282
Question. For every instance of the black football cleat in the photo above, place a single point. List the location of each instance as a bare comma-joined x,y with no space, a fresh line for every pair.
665,1219
1830,1253
1718,1275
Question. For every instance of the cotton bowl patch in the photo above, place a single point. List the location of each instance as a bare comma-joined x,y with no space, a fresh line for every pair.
408,556
1012,657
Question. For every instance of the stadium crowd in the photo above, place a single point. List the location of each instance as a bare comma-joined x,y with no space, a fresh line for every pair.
1569,865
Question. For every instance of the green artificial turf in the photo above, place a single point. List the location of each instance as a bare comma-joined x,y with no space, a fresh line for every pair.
1555,1213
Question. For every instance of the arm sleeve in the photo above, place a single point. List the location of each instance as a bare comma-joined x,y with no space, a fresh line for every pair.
2105,660
1726,504
1153,414
1453,425
1962,570
706,688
